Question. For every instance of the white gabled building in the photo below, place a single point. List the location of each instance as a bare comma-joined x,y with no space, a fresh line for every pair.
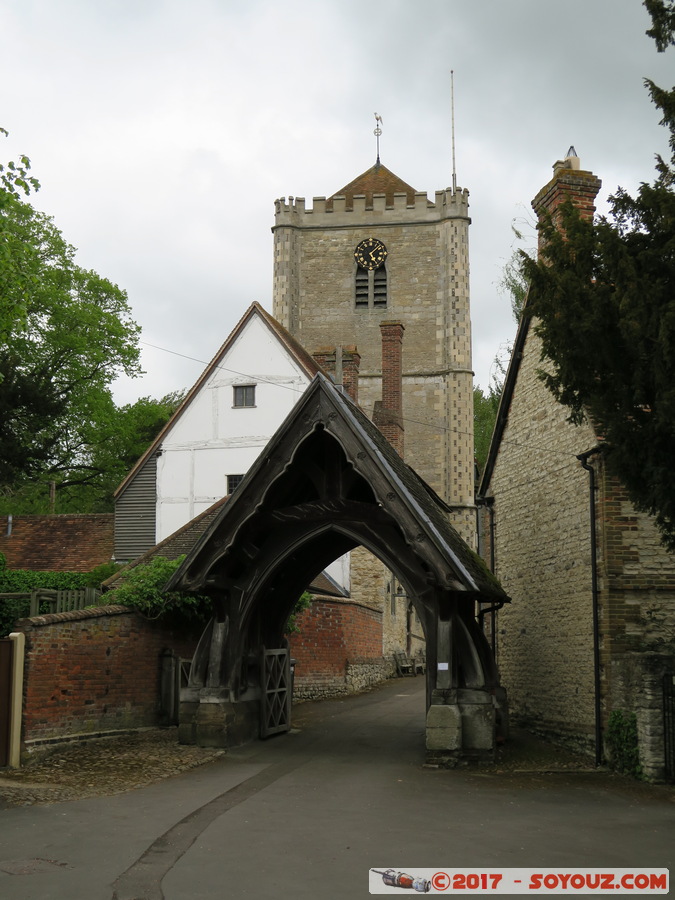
215,435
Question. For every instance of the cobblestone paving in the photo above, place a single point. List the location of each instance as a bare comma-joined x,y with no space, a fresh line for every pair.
101,767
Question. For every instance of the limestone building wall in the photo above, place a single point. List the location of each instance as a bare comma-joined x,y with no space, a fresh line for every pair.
542,558
637,605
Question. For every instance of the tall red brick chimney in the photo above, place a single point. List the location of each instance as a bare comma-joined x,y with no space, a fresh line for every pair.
569,182
388,412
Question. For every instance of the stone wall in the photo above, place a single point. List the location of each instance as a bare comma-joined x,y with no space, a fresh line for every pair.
428,291
542,558
637,574
636,681
91,671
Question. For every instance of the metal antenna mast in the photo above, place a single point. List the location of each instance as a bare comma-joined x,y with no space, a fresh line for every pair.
452,113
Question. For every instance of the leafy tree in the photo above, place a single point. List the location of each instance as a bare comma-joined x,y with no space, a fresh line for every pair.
15,182
485,406
94,460
65,334
603,296
76,337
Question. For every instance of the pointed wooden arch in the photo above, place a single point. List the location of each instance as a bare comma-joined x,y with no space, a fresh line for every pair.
326,483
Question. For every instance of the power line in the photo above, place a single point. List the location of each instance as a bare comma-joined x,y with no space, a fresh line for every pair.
425,424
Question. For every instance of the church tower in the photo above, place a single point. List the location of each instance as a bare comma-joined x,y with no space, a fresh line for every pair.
379,251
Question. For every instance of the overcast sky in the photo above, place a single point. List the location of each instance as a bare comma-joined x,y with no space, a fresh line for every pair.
162,131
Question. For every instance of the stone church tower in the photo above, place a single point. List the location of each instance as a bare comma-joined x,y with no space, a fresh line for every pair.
379,251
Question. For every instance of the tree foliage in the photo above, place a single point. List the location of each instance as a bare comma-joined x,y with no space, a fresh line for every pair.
602,292
93,461
66,334
15,182
76,336
485,406
142,589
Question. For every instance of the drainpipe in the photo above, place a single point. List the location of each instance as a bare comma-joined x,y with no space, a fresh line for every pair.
489,502
583,459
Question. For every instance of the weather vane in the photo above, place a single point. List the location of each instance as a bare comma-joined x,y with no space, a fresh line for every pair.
377,133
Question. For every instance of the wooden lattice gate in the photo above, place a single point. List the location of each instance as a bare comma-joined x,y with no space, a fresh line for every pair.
277,690
669,724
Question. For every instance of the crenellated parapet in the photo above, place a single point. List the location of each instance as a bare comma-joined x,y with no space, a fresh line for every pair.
377,208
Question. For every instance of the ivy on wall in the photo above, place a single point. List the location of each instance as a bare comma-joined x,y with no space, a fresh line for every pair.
622,743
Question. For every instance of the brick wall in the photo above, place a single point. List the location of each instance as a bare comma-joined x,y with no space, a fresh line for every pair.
388,412
569,182
331,635
93,670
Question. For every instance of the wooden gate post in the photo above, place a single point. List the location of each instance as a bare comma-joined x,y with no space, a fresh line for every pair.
16,698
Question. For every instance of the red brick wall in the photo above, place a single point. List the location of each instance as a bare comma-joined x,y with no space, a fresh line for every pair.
93,670
332,632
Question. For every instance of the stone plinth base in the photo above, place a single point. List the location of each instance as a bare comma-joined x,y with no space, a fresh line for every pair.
213,721
460,727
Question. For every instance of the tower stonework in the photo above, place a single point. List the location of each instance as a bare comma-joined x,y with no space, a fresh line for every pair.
323,296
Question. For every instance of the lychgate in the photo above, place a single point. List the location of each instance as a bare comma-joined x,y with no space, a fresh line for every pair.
328,482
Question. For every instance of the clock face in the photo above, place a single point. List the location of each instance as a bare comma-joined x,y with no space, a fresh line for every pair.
370,254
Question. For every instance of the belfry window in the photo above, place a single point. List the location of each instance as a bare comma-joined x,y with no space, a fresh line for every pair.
370,288
370,280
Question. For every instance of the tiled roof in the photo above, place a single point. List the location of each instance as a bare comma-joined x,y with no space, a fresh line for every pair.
182,541
377,180
177,544
58,543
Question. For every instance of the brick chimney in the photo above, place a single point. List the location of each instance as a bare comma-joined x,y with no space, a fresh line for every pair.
325,357
388,412
342,364
569,182
351,360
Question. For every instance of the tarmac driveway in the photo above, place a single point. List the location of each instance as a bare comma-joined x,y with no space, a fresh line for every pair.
308,814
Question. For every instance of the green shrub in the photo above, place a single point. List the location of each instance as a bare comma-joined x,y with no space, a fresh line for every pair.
622,742
142,589
97,576
303,603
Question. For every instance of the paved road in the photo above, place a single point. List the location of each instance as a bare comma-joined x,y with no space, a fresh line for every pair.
307,814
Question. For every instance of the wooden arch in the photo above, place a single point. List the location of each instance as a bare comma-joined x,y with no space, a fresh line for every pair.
327,483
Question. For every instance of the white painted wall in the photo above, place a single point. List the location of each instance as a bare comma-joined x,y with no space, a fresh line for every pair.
212,439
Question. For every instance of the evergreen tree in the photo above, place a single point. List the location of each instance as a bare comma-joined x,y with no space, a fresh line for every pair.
603,296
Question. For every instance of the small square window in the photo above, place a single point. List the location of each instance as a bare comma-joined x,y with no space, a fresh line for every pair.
244,395
233,482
